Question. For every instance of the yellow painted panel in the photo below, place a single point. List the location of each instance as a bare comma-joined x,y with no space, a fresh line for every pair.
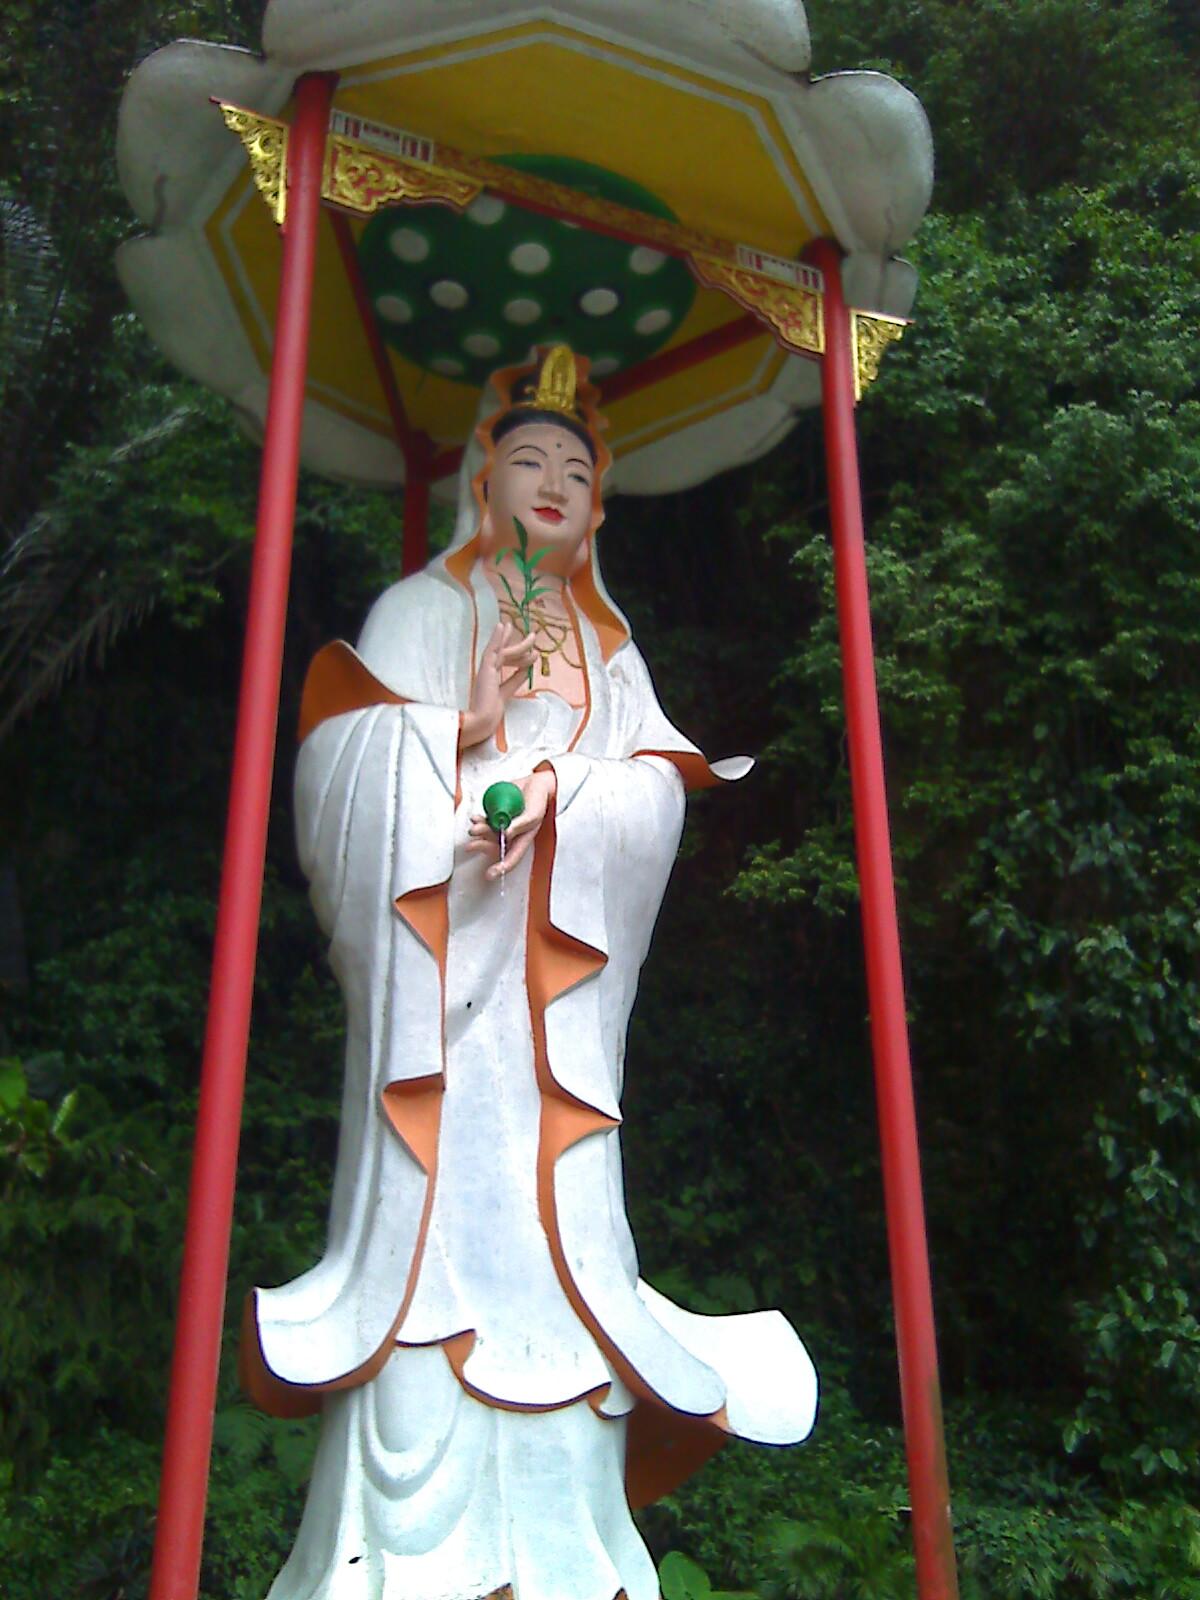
505,99
690,396
443,409
338,354
242,191
695,142
342,374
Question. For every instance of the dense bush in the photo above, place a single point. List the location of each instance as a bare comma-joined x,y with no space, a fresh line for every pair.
1031,465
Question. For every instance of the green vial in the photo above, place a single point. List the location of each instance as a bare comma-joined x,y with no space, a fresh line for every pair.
503,803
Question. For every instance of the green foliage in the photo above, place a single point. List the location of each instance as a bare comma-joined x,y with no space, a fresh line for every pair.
1142,1336
823,1523
1023,95
1031,463
681,1578
831,1522
73,1223
107,1494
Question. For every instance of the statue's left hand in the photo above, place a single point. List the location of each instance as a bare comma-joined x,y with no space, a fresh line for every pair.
539,790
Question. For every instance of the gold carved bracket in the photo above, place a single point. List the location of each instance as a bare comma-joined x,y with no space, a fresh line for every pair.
870,333
358,179
265,140
387,165
794,311
353,176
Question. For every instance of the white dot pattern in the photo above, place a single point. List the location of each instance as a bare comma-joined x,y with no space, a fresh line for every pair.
394,308
653,321
521,312
486,210
461,294
449,294
409,244
644,261
482,345
599,302
529,258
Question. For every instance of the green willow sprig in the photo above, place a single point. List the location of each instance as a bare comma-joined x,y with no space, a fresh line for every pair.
525,564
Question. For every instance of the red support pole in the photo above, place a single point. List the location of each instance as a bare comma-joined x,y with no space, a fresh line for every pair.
416,515
912,1295
184,1487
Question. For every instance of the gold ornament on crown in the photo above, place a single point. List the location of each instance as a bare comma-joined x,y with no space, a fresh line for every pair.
556,384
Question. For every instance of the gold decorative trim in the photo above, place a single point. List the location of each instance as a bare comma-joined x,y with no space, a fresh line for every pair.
795,312
360,177
641,227
870,334
361,180
452,172
266,142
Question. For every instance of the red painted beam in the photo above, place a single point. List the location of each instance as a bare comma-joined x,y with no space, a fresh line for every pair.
911,1290
184,1487
407,437
681,357
416,446
447,460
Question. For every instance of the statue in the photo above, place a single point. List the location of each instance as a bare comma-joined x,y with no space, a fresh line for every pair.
497,1384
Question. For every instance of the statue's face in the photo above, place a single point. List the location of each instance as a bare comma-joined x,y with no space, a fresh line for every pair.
543,476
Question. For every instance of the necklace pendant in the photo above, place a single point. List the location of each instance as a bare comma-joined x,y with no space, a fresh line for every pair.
545,666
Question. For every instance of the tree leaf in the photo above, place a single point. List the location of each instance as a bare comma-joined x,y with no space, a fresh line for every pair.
13,1088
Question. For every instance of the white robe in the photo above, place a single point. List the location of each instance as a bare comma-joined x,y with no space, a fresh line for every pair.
478,1218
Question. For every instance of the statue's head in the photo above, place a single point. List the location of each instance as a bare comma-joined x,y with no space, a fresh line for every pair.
544,461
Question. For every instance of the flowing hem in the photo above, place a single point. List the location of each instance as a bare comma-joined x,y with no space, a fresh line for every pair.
420,1492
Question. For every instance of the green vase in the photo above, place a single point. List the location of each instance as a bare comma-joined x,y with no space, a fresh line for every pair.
503,803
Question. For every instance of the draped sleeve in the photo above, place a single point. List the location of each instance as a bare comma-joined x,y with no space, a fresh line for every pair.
375,797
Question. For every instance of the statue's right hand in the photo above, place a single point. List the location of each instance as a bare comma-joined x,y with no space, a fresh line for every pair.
506,660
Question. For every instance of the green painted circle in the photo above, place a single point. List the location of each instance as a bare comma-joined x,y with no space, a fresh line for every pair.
463,293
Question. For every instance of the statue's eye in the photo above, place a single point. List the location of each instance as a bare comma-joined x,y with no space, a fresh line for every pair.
527,461
579,477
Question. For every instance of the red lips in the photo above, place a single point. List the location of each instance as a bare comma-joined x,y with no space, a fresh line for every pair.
548,513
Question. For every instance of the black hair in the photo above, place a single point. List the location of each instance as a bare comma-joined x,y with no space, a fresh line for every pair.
520,415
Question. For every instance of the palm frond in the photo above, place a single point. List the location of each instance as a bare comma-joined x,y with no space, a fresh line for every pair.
63,599
30,284
49,667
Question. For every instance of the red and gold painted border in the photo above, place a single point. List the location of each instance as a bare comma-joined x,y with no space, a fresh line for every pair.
360,176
